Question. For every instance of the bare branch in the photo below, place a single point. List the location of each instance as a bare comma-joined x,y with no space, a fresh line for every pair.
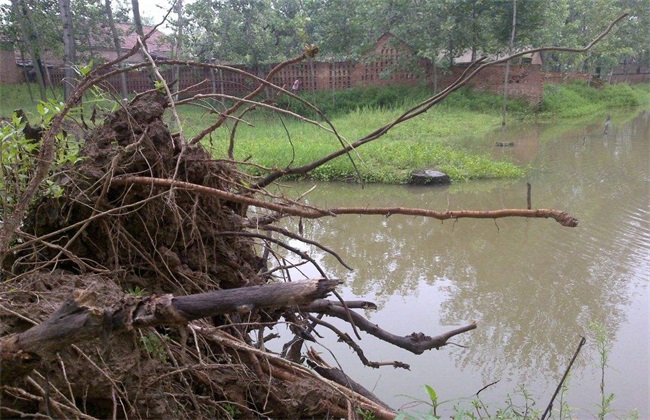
345,338
561,217
415,343
251,95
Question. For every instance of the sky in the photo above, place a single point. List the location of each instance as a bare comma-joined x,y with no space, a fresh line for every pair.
156,9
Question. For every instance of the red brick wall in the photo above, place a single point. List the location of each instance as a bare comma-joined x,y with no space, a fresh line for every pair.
9,71
525,80
630,78
631,73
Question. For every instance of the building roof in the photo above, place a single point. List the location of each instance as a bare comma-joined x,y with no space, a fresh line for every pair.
157,42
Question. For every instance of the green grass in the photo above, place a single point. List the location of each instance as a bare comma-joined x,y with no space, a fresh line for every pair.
417,144
577,99
17,96
428,141
337,103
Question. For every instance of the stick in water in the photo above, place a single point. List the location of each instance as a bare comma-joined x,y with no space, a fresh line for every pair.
566,373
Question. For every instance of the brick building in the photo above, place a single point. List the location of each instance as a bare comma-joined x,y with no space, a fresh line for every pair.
9,71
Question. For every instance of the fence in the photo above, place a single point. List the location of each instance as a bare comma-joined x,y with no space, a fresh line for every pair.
525,80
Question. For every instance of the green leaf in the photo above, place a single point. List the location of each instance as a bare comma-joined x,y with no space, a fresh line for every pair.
432,394
84,70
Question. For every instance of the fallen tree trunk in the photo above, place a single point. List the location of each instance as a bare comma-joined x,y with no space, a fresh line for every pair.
77,320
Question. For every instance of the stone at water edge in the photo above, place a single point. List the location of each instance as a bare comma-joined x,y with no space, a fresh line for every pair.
429,177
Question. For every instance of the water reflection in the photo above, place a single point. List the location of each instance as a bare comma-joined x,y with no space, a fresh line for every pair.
532,285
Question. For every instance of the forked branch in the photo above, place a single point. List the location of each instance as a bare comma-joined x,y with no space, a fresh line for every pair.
415,343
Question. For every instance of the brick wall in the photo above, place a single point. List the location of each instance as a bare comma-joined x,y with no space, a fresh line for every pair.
525,80
631,73
9,71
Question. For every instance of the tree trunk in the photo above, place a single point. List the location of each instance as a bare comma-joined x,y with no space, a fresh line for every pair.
68,47
178,46
435,76
511,48
474,32
22,13
137,20
116,44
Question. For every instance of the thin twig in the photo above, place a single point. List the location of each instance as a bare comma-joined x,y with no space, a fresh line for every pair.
566,373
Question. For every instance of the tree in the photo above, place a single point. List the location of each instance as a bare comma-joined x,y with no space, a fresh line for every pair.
31,42
510,51
336,27
69,47
137,19
571,23
116,43
178,41
230,30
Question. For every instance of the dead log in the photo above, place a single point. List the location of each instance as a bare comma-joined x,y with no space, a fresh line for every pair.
77,320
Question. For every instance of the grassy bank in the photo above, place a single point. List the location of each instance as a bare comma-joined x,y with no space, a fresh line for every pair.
418,144
577,99
424,142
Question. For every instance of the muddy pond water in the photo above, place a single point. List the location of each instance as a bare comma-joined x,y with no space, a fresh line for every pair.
533,286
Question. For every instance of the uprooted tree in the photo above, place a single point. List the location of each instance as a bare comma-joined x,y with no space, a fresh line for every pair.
145,209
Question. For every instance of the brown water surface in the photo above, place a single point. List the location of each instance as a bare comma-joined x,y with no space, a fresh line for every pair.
533,286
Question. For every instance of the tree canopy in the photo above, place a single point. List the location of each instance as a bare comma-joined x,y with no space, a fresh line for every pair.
265,31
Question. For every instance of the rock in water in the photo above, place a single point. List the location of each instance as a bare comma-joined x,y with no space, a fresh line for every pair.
429,177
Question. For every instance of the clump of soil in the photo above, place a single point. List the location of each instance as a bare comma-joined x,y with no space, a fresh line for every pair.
124,240
155,239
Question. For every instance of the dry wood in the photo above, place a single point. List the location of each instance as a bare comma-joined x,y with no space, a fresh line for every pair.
340,377
77,320
415,342
292,372
561,217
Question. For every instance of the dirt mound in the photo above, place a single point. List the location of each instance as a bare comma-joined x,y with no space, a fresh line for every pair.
147,237
123,241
